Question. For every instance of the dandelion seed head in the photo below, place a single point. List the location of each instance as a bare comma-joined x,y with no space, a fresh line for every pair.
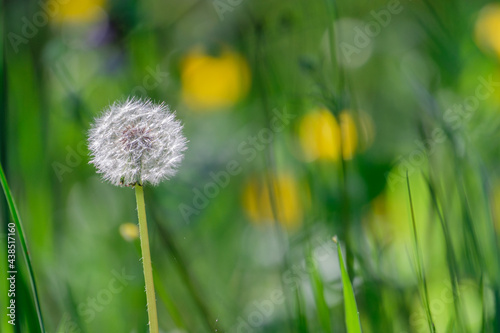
136,141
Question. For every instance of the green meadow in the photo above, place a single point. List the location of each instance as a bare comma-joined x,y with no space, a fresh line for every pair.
341,171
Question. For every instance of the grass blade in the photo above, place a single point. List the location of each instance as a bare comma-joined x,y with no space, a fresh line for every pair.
420,269
168,301
450,254
163,294
22,240
322,308
185,274
301,324
351,309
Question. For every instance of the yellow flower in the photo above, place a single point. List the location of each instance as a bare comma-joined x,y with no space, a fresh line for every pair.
319,135
488,28
257,203
214,82
129,231
77,11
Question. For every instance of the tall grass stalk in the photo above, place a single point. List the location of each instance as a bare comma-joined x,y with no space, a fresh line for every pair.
451,260
419,263
20,232
352,321
185,274
262,77
318,289
336,104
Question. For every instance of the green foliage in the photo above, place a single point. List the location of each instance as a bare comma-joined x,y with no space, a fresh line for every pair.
305,119
351,309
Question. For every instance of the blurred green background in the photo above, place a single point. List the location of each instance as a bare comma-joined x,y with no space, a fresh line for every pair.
305,121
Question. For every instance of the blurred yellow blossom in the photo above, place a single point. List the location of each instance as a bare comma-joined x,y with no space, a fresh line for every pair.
319,134
129,231
257,203
214,82
76,11
488,28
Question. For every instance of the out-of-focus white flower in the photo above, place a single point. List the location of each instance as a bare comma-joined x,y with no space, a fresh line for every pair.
136,142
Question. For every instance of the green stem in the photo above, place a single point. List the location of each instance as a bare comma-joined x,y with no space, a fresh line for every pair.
146,259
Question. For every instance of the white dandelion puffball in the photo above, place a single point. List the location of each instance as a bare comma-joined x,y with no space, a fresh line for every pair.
136,142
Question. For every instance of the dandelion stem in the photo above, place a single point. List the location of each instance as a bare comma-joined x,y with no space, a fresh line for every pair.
146,260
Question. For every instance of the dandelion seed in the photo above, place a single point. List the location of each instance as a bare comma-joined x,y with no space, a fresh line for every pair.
137,142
